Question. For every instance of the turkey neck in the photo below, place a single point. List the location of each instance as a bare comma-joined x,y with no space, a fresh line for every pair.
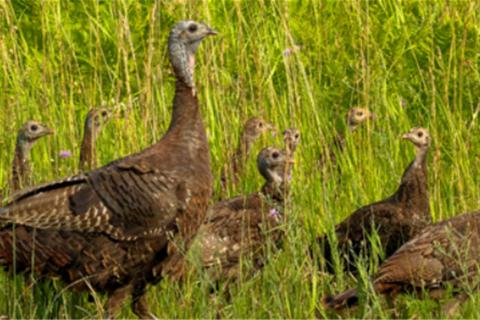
21,165
241,154
87,151
413,188
186,126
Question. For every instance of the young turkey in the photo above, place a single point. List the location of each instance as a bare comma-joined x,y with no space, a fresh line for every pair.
233,169
355,117
395,219
94,123
107,229
239,229
446,254
28,134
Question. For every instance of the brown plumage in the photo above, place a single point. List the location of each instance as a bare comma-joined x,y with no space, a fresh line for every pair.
94,123
28,134
355,117
239,229
233,169
107,229
441,255
396,219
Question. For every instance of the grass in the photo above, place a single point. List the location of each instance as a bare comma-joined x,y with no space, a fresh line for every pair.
414,63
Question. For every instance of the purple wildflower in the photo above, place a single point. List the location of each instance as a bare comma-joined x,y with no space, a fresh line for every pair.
274,213
287,52
65,154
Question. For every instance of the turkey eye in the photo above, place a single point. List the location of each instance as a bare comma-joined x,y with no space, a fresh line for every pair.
260,125
34,127
296,136
420,134
104,113
360,114
275,155
192,28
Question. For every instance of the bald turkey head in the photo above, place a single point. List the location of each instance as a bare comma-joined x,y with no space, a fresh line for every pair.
356,116
183,43
420,137
33,130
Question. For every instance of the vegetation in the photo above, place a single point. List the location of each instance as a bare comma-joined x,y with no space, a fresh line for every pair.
414,63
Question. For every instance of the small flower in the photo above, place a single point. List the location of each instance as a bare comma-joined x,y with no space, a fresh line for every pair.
274,213
287,52
65,154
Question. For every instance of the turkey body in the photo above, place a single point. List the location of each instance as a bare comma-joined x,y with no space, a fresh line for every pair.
108,228
395,219
241,228
441,255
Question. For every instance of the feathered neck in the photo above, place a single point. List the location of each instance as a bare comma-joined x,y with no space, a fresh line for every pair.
413,191
21,165
87,150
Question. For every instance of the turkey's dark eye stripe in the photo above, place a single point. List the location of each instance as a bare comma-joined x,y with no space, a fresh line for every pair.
34,127
192,28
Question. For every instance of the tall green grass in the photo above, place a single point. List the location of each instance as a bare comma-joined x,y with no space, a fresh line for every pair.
414,63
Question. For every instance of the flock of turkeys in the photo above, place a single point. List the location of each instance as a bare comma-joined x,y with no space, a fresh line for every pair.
120,227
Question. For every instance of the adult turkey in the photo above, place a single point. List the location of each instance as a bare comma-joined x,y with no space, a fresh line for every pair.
355,117
446,254
233,169
94,123
240,229
108,228
395,219
27,135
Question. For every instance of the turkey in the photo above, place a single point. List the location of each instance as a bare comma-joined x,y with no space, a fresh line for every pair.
355,117
94,123
28,134
441,255
233,169
108,228
240,228
395,219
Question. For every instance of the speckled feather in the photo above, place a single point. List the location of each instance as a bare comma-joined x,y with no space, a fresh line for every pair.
446,253
111,226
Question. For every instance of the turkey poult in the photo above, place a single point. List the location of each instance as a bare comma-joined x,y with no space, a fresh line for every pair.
355,117
94,123
28,134
108,228
395,219
239,229
441,255
233,169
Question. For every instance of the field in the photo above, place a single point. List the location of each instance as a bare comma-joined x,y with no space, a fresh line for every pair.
414,63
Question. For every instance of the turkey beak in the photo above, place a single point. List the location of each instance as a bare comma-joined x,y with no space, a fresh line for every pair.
49,131
209,31
406,136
